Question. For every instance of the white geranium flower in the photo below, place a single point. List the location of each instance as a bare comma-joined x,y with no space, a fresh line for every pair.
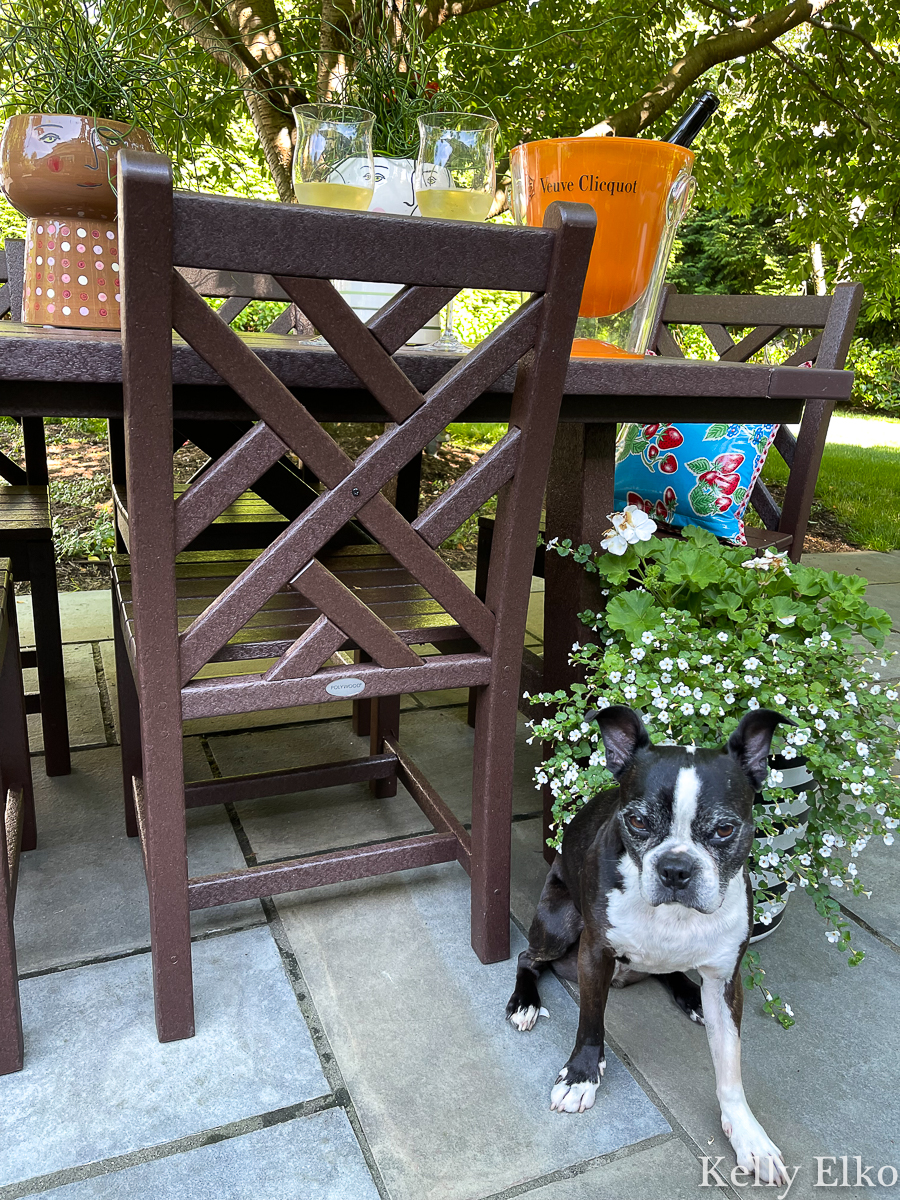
613,543
633,524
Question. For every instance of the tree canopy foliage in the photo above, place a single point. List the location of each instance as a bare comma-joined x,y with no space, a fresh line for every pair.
804,147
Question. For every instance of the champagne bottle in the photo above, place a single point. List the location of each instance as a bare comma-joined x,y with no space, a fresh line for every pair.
693,120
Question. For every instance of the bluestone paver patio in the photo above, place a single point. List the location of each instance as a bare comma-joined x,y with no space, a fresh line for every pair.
349,1043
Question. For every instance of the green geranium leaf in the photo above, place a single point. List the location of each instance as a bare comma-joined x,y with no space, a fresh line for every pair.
633,612
700,537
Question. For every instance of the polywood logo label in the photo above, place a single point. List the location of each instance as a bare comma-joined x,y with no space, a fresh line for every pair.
587,183
345,687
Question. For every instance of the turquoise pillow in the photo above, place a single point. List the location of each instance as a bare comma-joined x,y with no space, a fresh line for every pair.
692,474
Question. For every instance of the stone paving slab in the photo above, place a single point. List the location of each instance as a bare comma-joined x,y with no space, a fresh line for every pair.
871,564
454,1102
663,1172
97,1083
82,892
879,867
313,1158
83,617
86,726
825,1087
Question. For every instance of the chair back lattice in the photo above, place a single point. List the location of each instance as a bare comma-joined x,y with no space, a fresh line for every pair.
740,327
301,249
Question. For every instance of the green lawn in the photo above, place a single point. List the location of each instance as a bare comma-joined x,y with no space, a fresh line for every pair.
862,486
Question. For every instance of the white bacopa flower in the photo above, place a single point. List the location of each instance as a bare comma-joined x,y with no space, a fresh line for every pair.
828,839
852,870
867,770
705,660
825,851
862,749
804,860
891,694
630,691
574,736
666,664
891,822
682,664
856,789
779,699
666,677
722,636
751,663
789,752
775,778
826,637
820,724
888,839
615,676
833,935
646,637
638,652
875,689
836,881
729,699
687,709
719,669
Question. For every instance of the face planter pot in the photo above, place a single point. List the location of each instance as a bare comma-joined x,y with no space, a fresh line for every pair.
393,184
59,171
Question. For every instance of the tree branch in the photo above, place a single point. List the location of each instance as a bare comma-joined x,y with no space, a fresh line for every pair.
738,40
434,13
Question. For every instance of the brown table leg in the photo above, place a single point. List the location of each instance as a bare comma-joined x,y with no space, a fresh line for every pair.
579,499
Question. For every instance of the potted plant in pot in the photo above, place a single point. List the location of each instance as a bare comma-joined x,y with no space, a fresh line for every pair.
693,633
76,91
391,74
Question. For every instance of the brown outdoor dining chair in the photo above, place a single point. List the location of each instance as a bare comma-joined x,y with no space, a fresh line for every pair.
17,824
290,616
26,537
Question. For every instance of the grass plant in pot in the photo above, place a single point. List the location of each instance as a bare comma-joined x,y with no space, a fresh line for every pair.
693,634
392,74
76,90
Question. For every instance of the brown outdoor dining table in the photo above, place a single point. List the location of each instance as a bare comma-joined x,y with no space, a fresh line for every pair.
70,373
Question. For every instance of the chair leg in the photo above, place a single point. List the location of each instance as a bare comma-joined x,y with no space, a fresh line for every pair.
492,788
362,709
164,837
12,1045
385,723
482,568
48,643
129,723
15,757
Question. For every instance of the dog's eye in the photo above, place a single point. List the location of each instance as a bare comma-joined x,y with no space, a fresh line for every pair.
724,830
636,821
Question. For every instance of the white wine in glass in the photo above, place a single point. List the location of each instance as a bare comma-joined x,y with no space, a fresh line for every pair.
333,165
455,179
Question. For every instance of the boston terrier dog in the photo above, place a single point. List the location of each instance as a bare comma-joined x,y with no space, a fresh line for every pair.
652,879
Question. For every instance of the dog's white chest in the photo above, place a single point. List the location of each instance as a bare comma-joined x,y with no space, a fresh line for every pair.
671,937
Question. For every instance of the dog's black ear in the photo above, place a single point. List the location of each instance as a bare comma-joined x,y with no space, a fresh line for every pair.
623,735
750,742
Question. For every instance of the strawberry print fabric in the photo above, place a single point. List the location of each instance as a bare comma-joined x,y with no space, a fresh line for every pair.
692,474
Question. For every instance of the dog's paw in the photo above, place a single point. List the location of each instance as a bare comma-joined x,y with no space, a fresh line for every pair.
570,1095
526,1018
754,1149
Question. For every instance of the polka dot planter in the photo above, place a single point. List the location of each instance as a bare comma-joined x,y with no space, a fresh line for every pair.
71,273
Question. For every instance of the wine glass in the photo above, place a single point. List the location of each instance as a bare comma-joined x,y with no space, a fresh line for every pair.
455,178
332,164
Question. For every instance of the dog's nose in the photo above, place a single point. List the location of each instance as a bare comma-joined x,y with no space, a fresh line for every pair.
676,870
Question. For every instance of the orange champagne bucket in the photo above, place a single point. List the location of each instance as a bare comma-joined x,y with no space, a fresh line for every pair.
640,190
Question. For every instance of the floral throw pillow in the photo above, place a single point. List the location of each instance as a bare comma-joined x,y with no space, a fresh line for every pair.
692,474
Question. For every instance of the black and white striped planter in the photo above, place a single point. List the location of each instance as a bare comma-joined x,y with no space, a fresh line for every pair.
801,783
